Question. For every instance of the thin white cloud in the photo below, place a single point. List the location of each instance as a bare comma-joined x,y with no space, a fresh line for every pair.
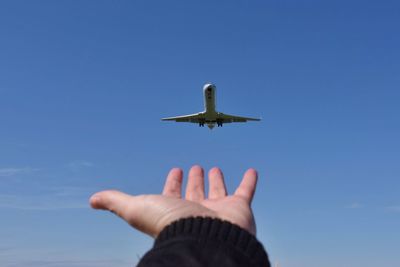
39,203
354,205
393,208
79,164
53,199
7,172
67,263
5,249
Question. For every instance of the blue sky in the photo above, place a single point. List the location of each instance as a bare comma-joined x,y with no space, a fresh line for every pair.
83,87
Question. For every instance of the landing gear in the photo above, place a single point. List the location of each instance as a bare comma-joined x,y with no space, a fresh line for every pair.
219,123
201,124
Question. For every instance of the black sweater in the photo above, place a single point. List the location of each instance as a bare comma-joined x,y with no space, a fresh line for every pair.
196,242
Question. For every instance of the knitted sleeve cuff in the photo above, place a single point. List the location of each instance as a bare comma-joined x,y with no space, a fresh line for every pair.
205,230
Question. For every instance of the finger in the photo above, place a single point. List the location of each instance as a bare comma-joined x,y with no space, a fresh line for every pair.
247,187
217,187
195,184
173,184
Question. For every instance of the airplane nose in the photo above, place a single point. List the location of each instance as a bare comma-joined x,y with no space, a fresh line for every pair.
208,86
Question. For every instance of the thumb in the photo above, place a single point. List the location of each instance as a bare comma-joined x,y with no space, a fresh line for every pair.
139,211
125,206
111,200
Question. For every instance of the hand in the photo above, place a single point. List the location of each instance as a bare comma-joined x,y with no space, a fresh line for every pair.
151,213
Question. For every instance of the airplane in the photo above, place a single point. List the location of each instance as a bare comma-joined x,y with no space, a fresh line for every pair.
210,115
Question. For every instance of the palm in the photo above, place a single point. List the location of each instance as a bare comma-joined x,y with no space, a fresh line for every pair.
151,213
234,209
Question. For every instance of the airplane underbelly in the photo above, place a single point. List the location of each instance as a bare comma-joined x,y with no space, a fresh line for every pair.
210,125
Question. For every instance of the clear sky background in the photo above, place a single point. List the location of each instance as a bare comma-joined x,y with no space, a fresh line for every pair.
83,85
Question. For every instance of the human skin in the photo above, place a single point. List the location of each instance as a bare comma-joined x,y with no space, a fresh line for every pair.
152,213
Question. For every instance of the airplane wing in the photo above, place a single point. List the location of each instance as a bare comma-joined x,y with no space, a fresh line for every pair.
226,118
195,118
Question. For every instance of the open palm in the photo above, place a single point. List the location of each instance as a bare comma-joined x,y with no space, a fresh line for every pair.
151,213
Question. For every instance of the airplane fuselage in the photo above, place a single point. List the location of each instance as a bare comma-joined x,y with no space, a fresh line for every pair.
209,98
210,113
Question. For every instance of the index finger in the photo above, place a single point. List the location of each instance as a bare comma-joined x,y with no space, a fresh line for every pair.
173,183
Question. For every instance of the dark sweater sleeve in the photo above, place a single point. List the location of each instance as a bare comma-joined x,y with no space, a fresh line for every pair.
202,242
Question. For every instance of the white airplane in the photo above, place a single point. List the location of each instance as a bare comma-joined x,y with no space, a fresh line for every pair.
210,115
